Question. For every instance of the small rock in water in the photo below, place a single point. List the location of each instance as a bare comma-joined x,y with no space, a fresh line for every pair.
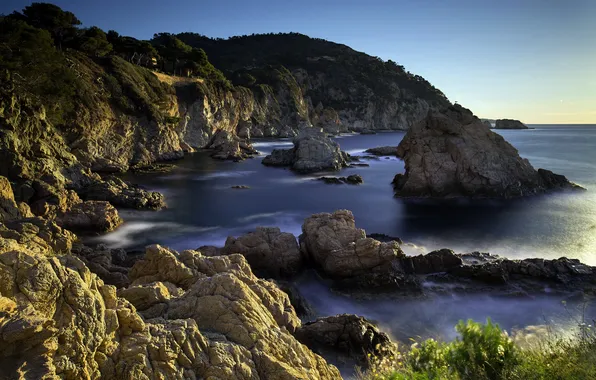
240,187
353,179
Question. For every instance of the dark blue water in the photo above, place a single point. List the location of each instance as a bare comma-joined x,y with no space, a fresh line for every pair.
203,209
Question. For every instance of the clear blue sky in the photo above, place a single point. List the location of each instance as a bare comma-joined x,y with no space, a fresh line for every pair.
534,60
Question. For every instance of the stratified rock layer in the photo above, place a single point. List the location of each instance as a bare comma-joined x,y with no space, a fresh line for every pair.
452,154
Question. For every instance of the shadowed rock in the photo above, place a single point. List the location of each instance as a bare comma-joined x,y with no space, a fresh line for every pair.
452,154
510,124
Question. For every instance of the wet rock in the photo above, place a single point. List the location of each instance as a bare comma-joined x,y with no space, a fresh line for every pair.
240,187
451,154
313,151
383,151
433,262
353,179
347,335
509,124
270,252
123,194
227,146
358,164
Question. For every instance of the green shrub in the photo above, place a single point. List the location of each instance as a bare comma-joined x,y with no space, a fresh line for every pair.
485,352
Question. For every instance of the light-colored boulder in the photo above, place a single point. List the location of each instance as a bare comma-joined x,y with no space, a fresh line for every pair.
334,243
58,320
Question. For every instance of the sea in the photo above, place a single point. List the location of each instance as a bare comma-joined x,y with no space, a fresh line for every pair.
204,209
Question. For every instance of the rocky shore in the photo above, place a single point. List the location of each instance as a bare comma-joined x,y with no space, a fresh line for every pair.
73,311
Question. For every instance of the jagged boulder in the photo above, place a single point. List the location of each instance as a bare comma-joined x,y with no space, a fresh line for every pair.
36,235
451,153
433,262
348,335
270,252
313,151
9,209
341,250
111,265
90,216
58,320
227,146
510,124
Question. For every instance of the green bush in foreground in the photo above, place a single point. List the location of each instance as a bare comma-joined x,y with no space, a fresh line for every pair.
485,352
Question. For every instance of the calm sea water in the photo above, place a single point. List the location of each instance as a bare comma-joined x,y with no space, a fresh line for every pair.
204,209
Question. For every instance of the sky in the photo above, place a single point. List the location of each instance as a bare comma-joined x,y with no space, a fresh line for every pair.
533,60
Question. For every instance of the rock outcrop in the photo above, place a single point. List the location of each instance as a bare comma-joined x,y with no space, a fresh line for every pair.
451,154
383,151
123,194
226,146
509,124
341,250
270,252
313,151
185,316
347,335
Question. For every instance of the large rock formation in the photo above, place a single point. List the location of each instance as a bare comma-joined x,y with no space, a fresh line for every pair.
313,151
341,250
185,316
452,154
509,124
226,146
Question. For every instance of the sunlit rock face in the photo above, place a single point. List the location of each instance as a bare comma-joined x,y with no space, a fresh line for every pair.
184,316
452,154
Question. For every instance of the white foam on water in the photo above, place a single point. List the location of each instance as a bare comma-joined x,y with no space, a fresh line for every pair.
250,218
271,144
230,174
125,234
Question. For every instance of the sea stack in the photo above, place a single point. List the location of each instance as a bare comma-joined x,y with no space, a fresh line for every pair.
313,151
451,153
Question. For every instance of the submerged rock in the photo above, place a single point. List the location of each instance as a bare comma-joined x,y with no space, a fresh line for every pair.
353,179
452,154
313,151
510,124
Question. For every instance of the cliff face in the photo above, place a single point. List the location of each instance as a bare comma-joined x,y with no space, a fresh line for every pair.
363,91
